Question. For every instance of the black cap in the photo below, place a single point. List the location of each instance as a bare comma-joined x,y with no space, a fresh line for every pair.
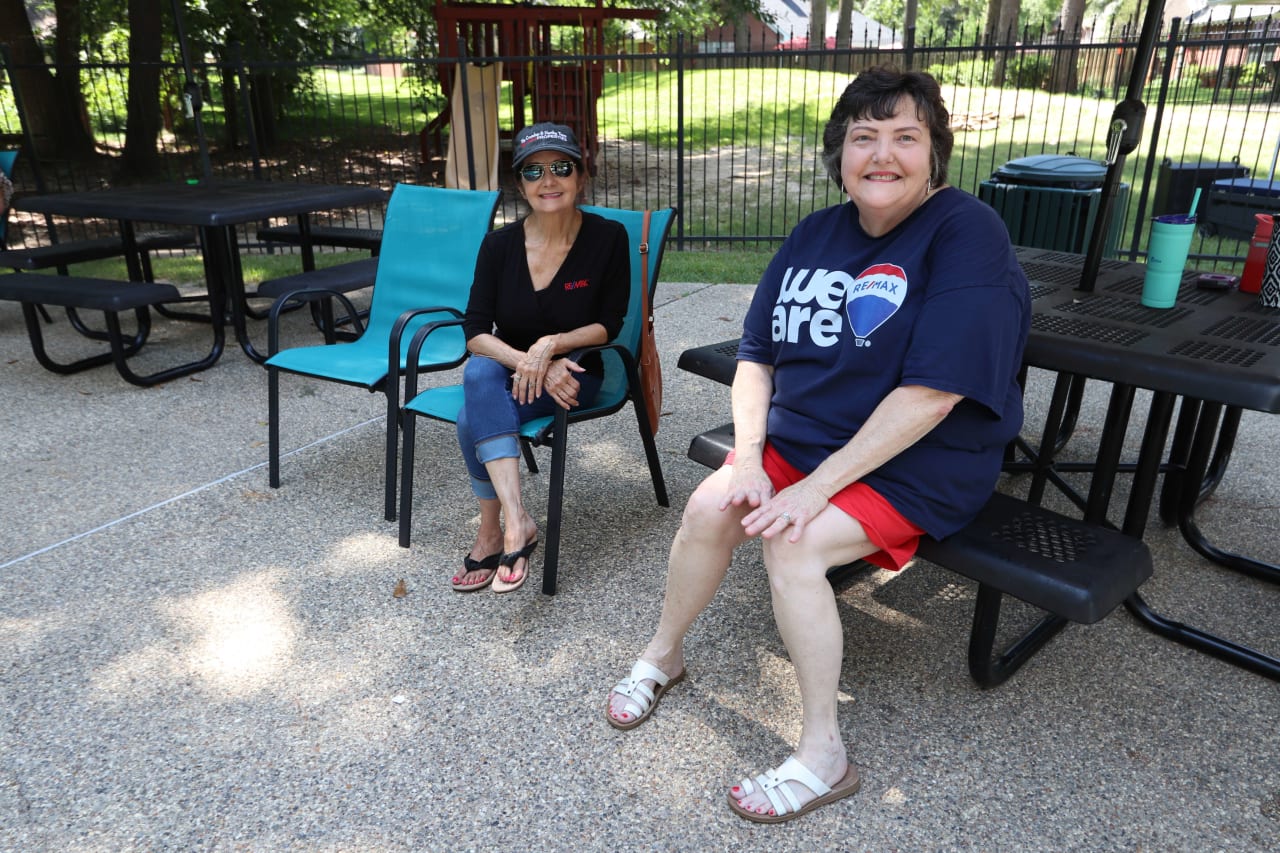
544,136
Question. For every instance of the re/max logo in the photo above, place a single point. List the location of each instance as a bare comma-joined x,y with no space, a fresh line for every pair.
576,285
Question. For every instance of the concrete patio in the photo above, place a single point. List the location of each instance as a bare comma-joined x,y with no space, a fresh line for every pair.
194,661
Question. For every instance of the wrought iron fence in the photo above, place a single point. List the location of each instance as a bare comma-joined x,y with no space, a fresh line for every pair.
730,138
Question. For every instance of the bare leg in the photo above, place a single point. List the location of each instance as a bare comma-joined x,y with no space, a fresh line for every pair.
521,528
488,542
804,607
700,556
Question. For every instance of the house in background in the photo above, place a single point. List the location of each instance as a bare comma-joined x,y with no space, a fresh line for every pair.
788,29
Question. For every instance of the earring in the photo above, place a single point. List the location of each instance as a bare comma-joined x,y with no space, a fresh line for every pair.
928,186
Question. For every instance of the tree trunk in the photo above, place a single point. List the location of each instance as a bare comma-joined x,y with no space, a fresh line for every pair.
844,36
56,125
742,34
76,142
1065,76
1004,15
817,32
142,125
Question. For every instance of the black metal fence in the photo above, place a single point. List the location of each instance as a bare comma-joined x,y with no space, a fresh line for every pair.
730,138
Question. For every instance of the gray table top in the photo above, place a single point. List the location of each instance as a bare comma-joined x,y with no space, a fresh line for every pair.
204,204
1214,345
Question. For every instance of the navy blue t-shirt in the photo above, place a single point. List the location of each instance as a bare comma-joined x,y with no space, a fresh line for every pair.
844,318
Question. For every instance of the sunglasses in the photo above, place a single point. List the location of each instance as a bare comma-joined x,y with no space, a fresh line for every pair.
560,168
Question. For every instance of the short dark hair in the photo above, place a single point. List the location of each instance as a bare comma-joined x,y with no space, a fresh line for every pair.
874,94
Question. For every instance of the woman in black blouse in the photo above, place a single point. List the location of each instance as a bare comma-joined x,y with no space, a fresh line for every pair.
553,282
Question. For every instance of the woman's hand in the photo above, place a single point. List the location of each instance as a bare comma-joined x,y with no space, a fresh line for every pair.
749,485
531,370
561,384
794,507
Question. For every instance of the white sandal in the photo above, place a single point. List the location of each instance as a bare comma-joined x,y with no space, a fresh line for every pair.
786,806
641,700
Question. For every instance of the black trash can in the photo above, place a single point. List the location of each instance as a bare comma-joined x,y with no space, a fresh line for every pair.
1049,201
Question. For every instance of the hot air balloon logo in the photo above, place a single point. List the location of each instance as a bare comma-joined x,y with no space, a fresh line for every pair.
874,297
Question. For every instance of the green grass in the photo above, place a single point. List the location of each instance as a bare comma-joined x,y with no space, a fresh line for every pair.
738,266
755,134
752,139
741,266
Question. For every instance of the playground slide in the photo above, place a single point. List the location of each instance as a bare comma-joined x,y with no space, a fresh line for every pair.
478,114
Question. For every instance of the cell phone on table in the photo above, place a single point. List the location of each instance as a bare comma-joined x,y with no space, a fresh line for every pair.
1217,281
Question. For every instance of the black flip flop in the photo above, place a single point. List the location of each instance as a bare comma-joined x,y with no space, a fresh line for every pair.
508,561
488,564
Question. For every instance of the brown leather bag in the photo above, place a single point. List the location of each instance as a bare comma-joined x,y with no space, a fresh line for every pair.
650,366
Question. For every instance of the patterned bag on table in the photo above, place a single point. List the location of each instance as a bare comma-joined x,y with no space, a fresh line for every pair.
1269,295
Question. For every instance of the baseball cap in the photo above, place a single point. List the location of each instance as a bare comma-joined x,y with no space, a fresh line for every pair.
544,136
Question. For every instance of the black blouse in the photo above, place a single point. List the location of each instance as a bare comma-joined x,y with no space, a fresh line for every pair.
593,285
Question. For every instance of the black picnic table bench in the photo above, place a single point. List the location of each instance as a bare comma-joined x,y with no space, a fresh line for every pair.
112,298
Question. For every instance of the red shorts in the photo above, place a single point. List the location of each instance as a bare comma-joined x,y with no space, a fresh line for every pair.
896,537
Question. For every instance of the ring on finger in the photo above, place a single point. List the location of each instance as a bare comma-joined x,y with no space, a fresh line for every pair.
786,516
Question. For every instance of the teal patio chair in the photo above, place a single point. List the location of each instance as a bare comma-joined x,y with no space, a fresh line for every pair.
430,241
621,383
7,159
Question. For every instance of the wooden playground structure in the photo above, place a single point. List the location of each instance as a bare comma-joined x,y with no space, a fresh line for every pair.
488,42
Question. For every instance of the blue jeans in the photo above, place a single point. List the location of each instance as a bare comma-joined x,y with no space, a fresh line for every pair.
489,422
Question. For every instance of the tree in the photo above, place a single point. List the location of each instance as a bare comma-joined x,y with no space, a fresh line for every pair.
142,123
54,106
1002,29
694,16
817,24
844,24
844,35
1065,77
939,21
817,32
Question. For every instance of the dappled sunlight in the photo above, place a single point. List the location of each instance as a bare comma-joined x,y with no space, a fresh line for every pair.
893,796
235,640
366,550
244,634
24,633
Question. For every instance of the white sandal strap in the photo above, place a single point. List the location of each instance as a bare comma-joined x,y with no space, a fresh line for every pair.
793,770
772,791
643,670
639,695
771,784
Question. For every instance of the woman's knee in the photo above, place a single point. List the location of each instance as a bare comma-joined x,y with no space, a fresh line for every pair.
703,517
794,563
480,370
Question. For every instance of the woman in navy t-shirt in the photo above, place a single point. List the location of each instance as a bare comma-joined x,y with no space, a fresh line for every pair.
553,282
876,390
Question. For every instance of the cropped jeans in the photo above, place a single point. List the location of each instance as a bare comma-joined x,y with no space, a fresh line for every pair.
489,422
